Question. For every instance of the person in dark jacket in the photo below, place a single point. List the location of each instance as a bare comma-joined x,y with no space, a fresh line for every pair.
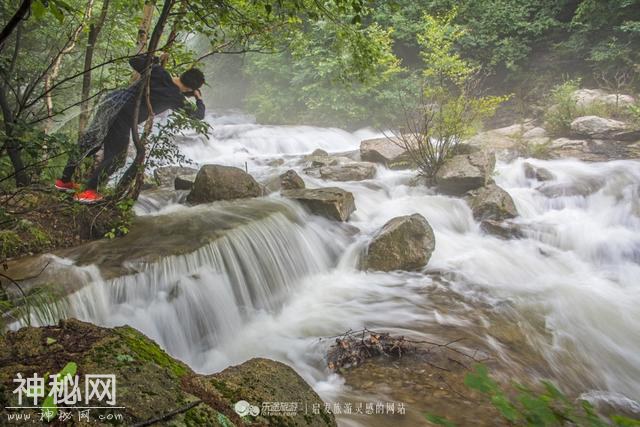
113,122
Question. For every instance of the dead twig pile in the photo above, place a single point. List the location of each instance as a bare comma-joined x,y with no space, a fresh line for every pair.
354,347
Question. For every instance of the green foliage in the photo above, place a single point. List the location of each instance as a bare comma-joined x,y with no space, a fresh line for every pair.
125,218
547,406
450,109
330,74
163,149
562,108
49,407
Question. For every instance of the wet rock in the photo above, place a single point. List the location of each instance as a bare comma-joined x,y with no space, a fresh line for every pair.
165,175
318,152
275,162
595,127
502,229
289,180
584,187
385,151
465,172
537,173
184,182
216,182
320,161
355,171
404,243
263,380
149,382
330,202
492,202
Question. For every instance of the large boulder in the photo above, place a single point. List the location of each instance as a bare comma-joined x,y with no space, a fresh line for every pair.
493,203
404,243
149,383
165,175
385,151
330,202
465,172
216,182
601,128
355,171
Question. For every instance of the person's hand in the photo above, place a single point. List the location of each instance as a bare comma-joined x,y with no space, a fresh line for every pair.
164,57
197,94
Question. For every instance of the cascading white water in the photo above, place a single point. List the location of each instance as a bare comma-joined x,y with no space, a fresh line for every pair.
273,287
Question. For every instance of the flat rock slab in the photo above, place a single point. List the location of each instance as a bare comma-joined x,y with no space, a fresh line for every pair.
355,171
465,172
330,202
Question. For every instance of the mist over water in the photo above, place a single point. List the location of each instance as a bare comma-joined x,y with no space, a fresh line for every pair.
274,286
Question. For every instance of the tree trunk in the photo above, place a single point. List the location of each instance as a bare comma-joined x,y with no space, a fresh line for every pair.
57,63
94,32
131,181
17,17
143,31
11,144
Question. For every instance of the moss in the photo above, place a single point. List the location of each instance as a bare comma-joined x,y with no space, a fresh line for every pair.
149,351
203,415
10,243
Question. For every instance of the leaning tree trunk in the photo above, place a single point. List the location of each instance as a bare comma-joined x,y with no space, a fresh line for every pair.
15,20
131,182
94,32
143,31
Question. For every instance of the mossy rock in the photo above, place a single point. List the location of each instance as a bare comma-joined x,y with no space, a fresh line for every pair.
149,382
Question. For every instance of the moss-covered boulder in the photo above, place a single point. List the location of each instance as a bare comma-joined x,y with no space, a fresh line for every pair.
262,382
149,383
404,243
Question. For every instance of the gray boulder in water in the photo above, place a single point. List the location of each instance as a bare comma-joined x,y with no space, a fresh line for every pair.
355,171
404,243
385,151
216,182
166,175
465,172
493,203
539,174
330,202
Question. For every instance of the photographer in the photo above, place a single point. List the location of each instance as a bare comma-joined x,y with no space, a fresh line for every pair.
167,92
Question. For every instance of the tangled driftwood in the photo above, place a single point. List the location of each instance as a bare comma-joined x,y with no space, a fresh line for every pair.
354,347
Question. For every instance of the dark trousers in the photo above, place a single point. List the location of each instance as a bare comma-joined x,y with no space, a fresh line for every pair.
115,153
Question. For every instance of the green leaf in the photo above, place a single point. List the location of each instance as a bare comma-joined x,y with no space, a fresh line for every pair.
479,380
51,341
49,408
619,420
438,420
505,407
55,11
69,369
38,9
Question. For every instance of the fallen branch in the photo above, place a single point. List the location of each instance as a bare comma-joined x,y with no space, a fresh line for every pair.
168,415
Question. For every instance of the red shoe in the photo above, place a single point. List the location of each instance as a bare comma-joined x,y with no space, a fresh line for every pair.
88,197
67,187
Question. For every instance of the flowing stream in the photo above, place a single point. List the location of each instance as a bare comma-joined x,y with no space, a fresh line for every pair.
562,302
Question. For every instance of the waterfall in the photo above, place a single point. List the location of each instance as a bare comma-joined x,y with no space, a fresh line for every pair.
192,302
